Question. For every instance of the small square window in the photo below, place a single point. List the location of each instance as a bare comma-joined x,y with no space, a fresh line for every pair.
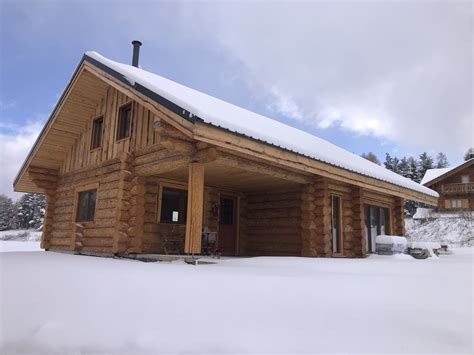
86,206
97,130
124,124
465,179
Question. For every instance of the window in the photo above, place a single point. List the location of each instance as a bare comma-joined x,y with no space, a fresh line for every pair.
336,224
124,121
86,206
377,222
227,211
174,204
456,203
97,129
465,179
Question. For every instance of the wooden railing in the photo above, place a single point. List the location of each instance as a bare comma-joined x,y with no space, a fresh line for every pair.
458,188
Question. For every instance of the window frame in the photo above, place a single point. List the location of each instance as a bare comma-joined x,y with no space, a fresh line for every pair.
339,227
93,133
119,126
465,177
83,188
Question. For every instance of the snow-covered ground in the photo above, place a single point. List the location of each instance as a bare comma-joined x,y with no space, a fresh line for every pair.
19,240
12,246
457,231
21,235
59,303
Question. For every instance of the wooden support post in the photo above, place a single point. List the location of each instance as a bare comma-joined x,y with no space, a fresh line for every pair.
360,247
323,218
195,207
308,222
399,217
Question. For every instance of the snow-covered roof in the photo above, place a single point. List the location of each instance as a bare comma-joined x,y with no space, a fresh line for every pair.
236,119
432,174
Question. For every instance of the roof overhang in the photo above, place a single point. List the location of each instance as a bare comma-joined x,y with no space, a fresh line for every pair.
91,78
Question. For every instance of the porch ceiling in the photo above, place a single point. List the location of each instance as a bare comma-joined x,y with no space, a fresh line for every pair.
234,178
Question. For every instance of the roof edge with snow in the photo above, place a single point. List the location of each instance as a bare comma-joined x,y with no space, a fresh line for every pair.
167,93
434,175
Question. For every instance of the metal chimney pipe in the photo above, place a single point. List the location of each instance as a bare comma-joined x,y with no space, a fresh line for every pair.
136,52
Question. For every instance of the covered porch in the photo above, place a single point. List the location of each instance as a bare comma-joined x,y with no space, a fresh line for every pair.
251,208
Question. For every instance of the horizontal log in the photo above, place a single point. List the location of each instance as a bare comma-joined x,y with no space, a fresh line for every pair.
99,232
39,170
98,242
205,155
61,233
261,168
176,145
153,157
59,241
105,213
162,166
65,217
97,249
43,177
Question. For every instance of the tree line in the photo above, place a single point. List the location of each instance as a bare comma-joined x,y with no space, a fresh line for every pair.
26,213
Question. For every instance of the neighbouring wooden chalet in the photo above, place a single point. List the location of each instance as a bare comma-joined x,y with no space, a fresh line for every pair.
454,185
131,162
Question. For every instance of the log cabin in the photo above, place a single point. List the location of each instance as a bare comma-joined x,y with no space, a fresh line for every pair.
135,163
455,187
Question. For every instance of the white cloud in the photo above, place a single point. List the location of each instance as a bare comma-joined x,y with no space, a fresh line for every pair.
15,143
400,71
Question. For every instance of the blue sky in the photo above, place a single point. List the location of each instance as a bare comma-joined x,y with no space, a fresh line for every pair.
347,72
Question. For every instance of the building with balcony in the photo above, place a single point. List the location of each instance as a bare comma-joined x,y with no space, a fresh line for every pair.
454,185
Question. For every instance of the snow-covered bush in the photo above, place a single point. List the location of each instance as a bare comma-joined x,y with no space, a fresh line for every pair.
454,230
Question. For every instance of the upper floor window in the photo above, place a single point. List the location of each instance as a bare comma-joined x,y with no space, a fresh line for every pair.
86,206
124,123
465,179
97,130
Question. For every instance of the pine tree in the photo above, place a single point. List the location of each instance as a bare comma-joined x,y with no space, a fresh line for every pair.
30,210
7,212
441,160
413,175
371,157
469,154
388,163
404,168
425,162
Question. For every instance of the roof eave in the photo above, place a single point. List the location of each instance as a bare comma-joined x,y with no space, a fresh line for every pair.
176,109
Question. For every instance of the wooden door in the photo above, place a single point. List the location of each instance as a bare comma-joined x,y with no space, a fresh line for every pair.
228,225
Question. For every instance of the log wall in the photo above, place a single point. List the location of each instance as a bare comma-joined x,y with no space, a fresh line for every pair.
142,133
272,223
126,173
96,236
